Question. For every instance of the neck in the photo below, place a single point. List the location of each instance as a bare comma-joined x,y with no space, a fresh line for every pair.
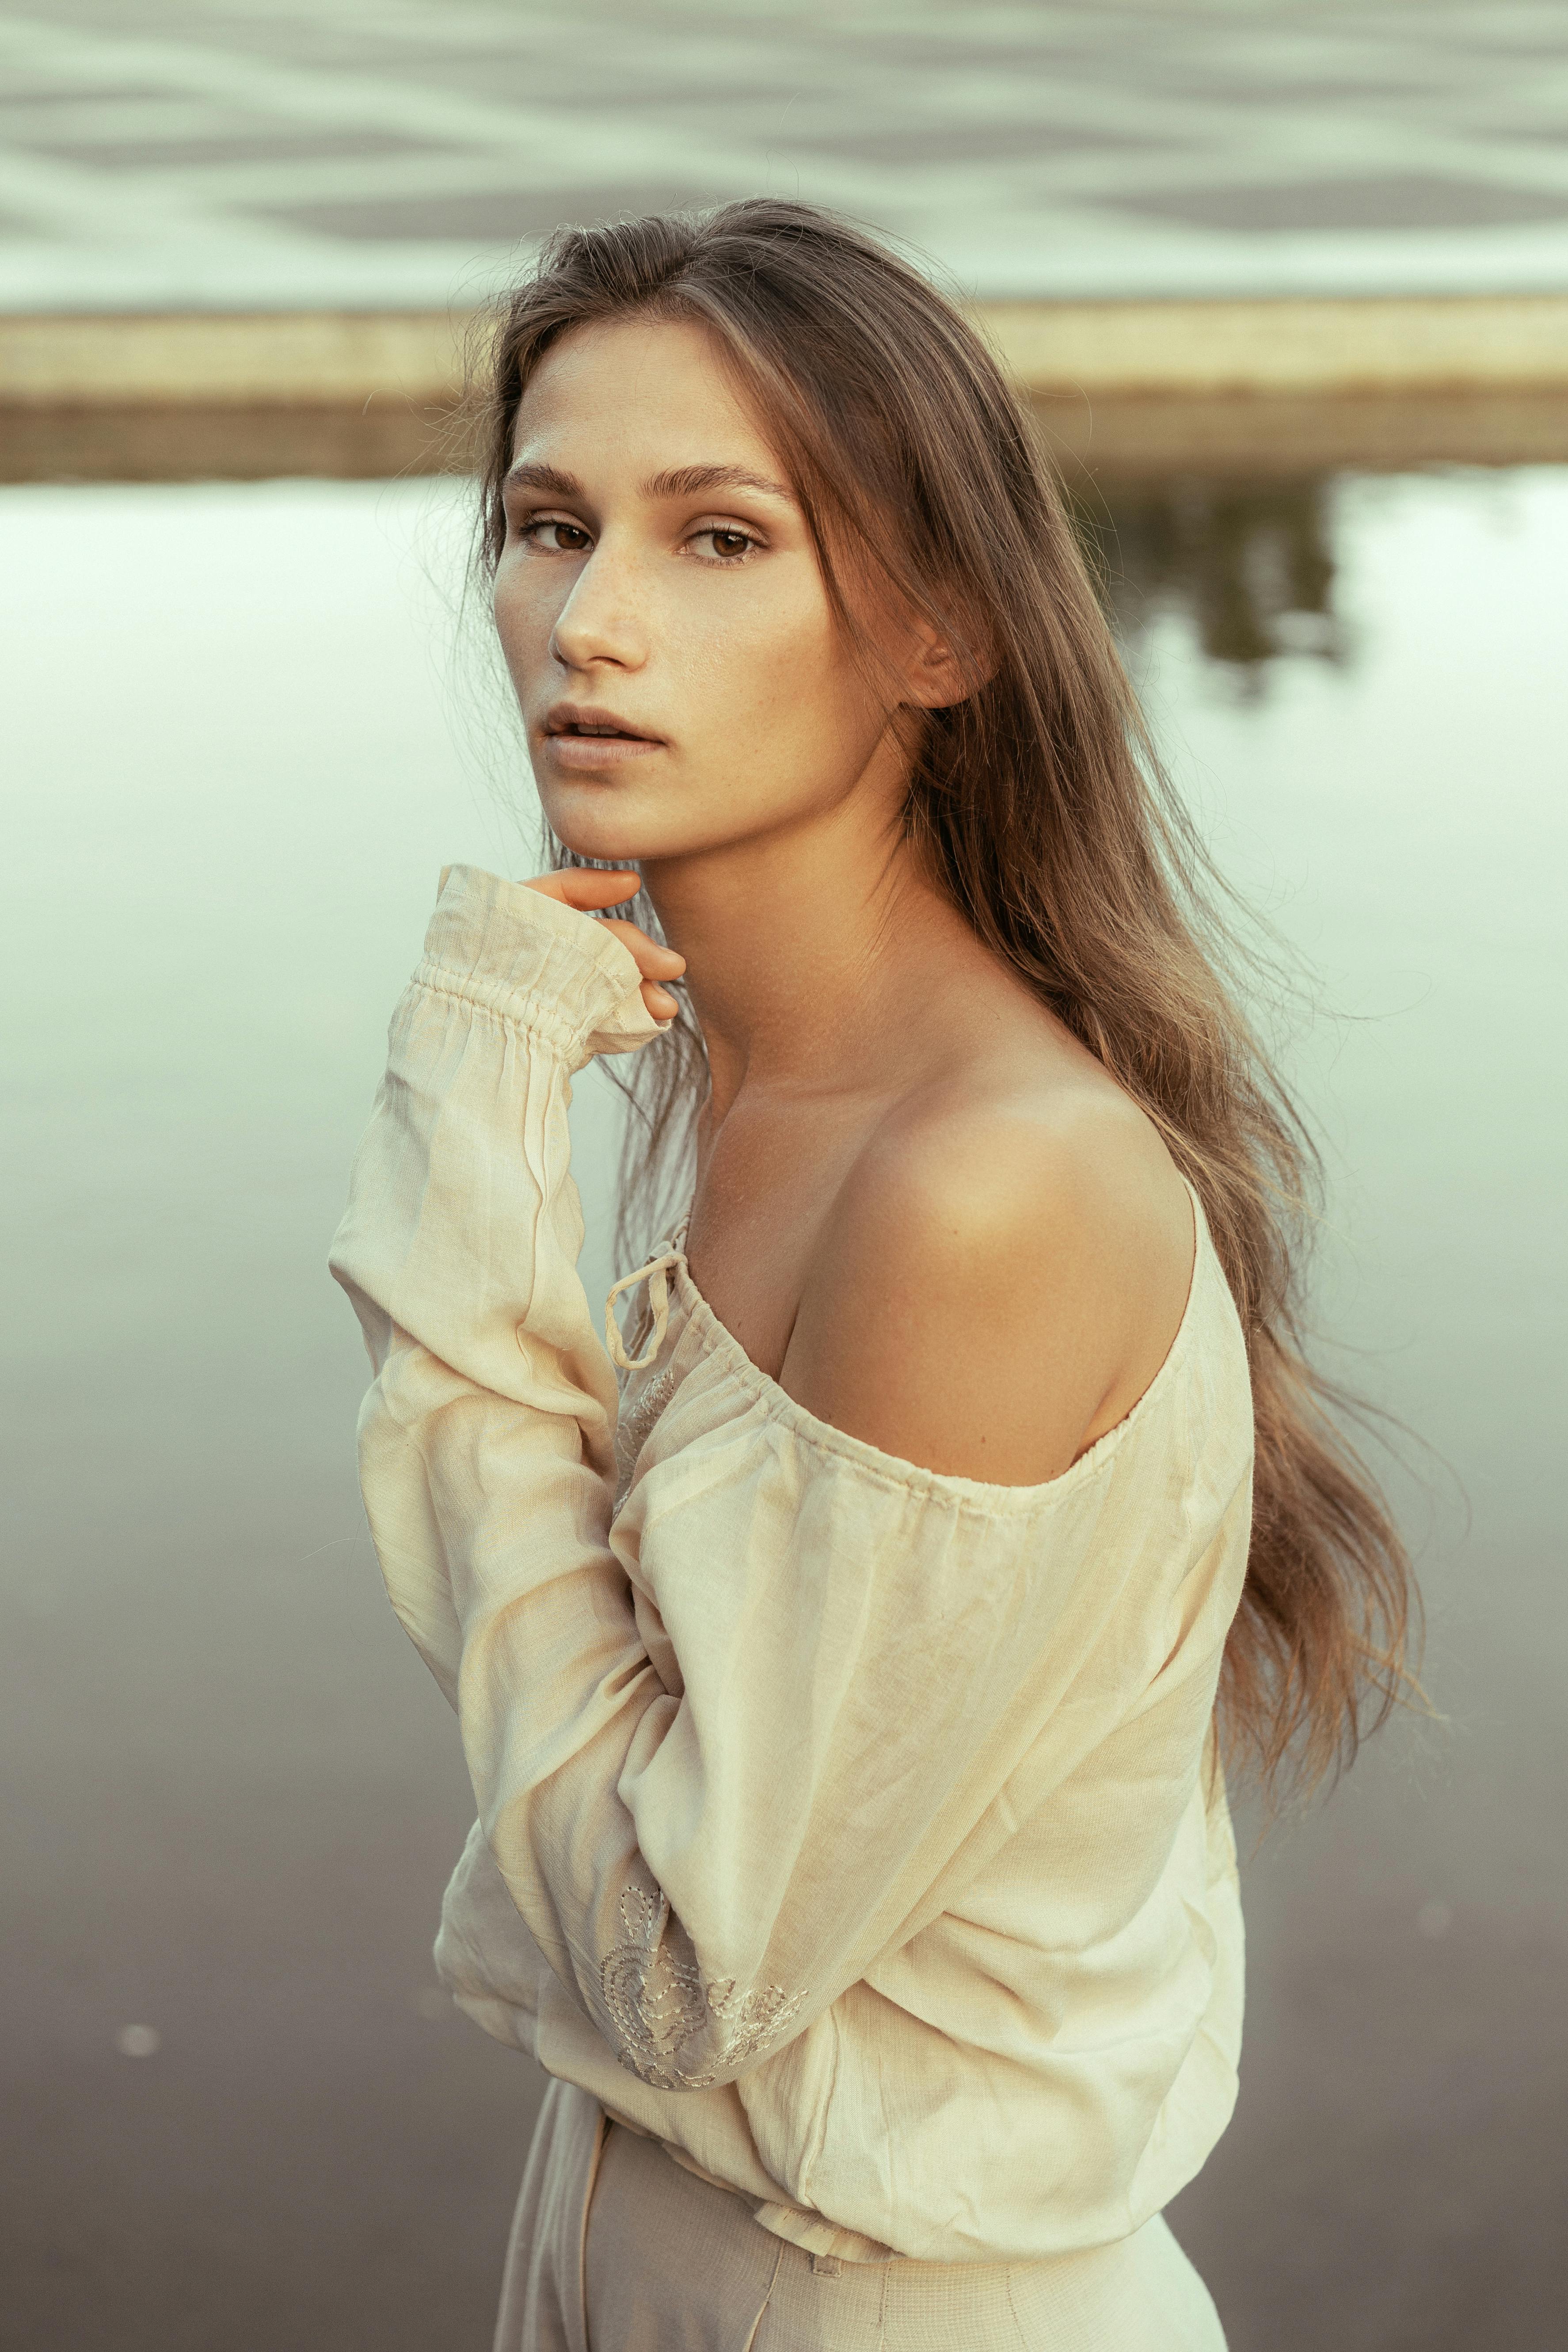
805,950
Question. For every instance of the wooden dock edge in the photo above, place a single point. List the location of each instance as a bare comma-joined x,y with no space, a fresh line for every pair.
1273,384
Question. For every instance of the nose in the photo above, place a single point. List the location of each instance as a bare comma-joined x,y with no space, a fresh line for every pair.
601,620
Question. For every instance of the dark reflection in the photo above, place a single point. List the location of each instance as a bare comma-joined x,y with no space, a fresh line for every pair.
1250,565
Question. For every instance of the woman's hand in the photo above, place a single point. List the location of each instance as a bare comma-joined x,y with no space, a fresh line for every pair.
587,890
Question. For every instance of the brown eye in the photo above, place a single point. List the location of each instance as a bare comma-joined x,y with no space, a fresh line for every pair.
729,546
567,539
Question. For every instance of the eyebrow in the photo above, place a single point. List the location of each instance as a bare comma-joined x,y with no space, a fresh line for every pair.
681,482
691,481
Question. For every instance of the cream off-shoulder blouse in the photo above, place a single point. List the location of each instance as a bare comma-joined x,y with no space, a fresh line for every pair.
853,1830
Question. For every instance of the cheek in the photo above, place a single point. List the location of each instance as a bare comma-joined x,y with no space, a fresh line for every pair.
522,620
774,656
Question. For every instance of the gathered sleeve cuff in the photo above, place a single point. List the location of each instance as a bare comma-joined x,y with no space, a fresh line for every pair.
558,977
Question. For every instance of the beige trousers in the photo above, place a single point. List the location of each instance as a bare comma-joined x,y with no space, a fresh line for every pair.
615,2248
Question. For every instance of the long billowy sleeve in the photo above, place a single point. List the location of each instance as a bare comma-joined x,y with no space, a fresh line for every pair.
731,1752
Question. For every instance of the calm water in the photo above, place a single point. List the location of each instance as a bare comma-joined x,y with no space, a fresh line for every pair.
237,760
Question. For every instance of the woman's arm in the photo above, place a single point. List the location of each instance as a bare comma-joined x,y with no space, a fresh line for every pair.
459,1244
854,1662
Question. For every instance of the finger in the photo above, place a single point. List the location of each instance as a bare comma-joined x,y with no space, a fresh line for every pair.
660,1002
656,962
584,887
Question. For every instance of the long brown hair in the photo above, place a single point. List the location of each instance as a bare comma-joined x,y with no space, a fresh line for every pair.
1039,803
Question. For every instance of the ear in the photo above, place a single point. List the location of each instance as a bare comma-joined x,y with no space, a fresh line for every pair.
937,676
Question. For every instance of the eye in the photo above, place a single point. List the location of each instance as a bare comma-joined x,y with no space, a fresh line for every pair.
555,534
728,544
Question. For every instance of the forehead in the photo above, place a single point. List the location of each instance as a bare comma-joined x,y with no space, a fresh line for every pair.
638,390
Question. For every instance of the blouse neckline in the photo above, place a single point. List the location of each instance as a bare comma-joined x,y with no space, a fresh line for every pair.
720,1345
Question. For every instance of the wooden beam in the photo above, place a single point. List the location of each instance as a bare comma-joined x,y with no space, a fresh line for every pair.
1124,350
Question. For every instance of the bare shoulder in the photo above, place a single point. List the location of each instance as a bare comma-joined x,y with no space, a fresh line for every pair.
1001,1276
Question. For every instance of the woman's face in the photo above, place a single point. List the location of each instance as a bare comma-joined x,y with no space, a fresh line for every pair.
683,678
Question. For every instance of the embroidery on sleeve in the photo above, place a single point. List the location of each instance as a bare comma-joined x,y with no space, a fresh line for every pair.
660,2004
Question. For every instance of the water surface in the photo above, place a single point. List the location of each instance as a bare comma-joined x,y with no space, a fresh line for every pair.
236,761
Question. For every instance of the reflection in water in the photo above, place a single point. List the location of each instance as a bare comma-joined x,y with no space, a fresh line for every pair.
1250,564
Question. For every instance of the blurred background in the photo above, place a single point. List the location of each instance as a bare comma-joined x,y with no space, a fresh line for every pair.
1290,287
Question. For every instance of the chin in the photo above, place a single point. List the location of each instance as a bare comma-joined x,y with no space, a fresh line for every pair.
604,820
590,824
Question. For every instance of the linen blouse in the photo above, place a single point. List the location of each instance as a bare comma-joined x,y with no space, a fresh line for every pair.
853,1830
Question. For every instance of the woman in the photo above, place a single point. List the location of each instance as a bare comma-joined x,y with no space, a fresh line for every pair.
840,1696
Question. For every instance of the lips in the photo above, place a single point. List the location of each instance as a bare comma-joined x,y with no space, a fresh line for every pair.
582,723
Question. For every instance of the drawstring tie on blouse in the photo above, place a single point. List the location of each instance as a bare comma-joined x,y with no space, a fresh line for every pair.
656,1274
